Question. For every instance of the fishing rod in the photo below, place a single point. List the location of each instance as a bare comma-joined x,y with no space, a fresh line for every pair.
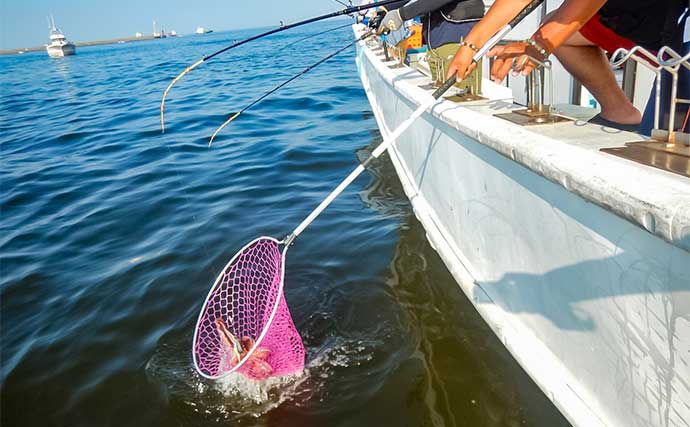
301,73
346,11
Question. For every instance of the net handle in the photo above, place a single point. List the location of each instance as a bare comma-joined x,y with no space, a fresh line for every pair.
387,142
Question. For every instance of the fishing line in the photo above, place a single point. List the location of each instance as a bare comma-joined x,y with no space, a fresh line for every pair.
343,3
346,11
301,73
349,24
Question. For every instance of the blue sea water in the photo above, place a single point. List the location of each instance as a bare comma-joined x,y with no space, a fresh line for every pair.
113,233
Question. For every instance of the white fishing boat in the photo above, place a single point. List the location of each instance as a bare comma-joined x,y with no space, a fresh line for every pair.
202,30
156,33
59,45
579,260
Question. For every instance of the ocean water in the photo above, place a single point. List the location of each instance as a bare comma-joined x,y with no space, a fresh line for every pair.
113,233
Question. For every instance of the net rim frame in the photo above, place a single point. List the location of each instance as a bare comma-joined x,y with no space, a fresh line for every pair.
270,319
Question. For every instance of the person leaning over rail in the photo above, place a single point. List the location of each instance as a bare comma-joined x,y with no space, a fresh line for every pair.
578,33
445,24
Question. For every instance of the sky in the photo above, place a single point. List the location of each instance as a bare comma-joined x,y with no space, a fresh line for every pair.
23,22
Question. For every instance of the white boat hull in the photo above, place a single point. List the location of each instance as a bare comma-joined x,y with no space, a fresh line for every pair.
60,51
594,307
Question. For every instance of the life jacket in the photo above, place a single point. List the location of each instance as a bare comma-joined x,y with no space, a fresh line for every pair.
463,11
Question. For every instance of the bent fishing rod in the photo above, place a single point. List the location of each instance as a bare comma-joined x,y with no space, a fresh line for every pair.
346,11
301,73
388,141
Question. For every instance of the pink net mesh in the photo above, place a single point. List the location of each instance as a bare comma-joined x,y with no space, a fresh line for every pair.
238,310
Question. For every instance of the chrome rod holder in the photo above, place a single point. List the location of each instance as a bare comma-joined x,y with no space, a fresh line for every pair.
537,112
668,149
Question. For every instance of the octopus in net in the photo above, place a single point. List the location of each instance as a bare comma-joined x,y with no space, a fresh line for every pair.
256,366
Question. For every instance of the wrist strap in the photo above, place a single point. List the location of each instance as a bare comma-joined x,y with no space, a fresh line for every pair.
545,53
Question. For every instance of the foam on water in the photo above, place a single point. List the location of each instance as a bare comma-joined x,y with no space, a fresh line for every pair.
236,397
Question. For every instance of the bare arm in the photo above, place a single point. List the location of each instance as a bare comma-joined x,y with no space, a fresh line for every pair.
500,13
555,31
565,21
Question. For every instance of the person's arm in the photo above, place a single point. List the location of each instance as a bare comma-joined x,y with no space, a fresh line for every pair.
500,13
555,31
565,21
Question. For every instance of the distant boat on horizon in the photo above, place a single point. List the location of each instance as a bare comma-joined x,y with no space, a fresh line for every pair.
156,34
59,45
202,30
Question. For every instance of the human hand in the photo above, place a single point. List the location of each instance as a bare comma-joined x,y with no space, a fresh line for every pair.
462,63
391,22
375,20
515,56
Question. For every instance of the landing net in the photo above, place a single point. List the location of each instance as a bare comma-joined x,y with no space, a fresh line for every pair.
245,324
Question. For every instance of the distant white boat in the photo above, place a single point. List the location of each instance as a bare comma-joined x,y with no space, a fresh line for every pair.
156,34
172,33
138,35
59,45
202,30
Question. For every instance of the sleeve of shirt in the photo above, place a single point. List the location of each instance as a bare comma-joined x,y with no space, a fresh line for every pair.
395,5
421,7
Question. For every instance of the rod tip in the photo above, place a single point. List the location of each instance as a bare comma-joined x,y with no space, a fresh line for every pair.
227,122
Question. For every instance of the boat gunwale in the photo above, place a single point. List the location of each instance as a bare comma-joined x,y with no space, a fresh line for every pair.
605,180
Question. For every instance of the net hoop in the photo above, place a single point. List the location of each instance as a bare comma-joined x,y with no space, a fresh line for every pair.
268,323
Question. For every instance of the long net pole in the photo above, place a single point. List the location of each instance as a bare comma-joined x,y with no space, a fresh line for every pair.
388,141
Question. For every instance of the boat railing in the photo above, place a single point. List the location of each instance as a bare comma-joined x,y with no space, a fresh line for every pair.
668,60
644,57
673,65
668,149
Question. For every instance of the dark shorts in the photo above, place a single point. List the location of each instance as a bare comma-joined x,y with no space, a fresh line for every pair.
647,23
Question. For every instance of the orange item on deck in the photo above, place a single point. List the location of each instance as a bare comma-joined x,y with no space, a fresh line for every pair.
415,40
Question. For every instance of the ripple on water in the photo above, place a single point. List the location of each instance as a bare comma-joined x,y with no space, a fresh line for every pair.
113,233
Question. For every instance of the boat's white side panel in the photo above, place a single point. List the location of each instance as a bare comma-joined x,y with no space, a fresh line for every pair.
595,308
61,51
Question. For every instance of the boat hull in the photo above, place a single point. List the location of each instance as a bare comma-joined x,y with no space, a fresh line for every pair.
595,308
61,51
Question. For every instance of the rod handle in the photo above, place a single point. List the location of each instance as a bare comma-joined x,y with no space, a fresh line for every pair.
444,87
491,43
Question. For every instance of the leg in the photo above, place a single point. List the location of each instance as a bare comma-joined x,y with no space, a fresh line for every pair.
587,63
